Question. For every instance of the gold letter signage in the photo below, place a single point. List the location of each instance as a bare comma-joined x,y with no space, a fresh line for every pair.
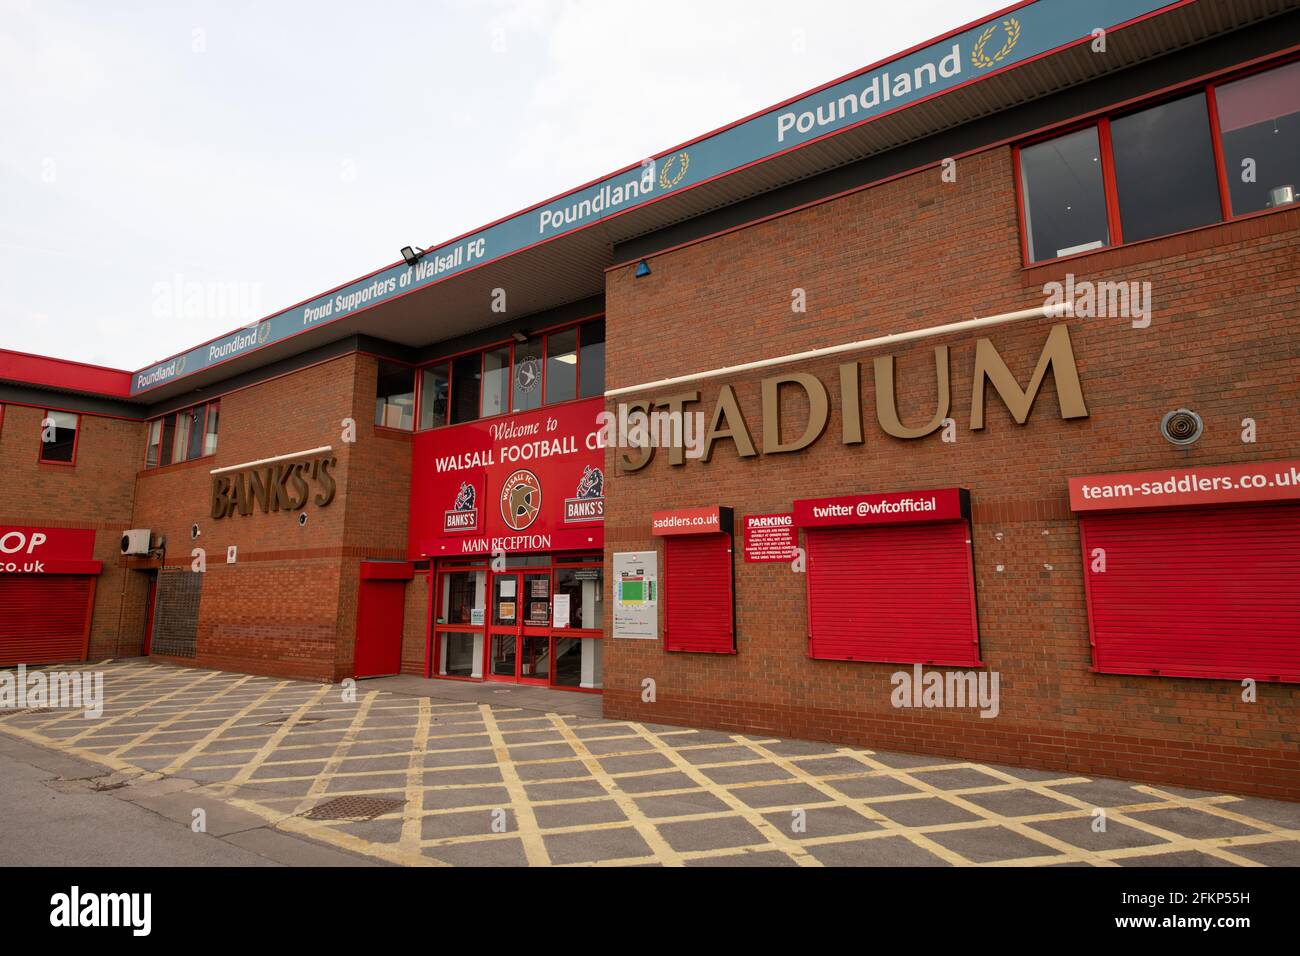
284,487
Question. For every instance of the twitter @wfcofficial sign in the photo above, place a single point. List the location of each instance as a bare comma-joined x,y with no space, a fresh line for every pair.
1001,41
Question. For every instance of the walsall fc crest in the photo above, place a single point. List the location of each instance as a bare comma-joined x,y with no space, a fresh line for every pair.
521,499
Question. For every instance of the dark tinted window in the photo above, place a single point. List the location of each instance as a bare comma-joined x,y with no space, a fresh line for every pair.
1064,197
496,381
433,397
591,360
395,396
466,377
1259,119
58,437
562,366
1164,169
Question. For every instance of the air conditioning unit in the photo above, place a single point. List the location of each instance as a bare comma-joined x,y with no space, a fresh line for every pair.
136,542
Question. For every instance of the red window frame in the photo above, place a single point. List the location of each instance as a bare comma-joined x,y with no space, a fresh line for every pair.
76,439
175,417
449,361
1102,120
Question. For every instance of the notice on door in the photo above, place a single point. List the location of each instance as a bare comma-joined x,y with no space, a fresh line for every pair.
560,611
636,595
770,538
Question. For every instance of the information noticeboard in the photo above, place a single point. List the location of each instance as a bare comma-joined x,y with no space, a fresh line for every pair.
636,595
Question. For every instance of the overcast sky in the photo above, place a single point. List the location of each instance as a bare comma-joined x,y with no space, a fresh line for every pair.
261,153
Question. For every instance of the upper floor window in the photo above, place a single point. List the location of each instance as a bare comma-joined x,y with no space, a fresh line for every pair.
541,370
395,396
182,436
59,437
1164,169
1259,124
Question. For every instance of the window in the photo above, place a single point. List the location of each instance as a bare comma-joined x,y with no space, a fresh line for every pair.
182,436
526,391
1158,171
395,396
496,380
1064,196
190,431
1164,169
59,437
210,431
586,590
591,360
433,396
153,456
466,378
562,366
543,370
1259,124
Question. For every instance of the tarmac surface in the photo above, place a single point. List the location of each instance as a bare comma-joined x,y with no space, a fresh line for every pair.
440,773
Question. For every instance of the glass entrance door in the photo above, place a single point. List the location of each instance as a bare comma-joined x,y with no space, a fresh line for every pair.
506,629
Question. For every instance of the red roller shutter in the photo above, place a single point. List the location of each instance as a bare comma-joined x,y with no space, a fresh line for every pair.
893,593
698,604
44,619
1211,592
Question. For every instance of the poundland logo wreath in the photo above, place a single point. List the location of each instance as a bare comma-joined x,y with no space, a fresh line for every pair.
984,55
521,500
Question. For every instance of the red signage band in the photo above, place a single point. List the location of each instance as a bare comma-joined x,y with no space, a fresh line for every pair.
532,481
894,507
770,538
36,550
679,521
1183,487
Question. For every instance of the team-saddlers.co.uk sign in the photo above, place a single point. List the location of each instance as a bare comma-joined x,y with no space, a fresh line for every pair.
533,481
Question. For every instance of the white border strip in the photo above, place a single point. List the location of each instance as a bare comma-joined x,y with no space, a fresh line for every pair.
1042,311
271,461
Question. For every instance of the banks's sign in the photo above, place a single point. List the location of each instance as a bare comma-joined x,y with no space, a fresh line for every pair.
728,422
533,481
286,486
994,43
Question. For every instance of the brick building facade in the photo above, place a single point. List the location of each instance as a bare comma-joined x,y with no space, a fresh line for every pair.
424,496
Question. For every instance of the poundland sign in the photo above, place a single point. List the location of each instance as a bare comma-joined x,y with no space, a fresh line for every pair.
1020,34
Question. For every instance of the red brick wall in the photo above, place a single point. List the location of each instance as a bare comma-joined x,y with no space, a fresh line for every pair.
287,607
95,493
916,253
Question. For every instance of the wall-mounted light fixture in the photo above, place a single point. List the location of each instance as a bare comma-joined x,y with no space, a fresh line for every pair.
519,335
412,254
642,269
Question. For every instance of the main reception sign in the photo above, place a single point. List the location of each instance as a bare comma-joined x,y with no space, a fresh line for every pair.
533,481
1020,34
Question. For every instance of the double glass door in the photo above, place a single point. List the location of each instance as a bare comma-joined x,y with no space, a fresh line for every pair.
520,632
539,622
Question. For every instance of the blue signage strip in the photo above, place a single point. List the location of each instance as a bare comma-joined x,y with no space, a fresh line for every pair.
997,42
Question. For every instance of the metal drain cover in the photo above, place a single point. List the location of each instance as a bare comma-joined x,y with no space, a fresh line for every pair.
280,721
353,808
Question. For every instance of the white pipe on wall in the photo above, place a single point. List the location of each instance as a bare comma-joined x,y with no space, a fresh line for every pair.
1042,311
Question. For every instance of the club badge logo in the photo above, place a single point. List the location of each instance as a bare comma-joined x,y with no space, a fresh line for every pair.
528,374
521,500
589,505
263,332
463,515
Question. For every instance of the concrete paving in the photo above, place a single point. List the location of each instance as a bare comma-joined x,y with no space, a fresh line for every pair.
455,774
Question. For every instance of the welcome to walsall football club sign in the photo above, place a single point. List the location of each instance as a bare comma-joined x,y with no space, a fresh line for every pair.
528,482
991,45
